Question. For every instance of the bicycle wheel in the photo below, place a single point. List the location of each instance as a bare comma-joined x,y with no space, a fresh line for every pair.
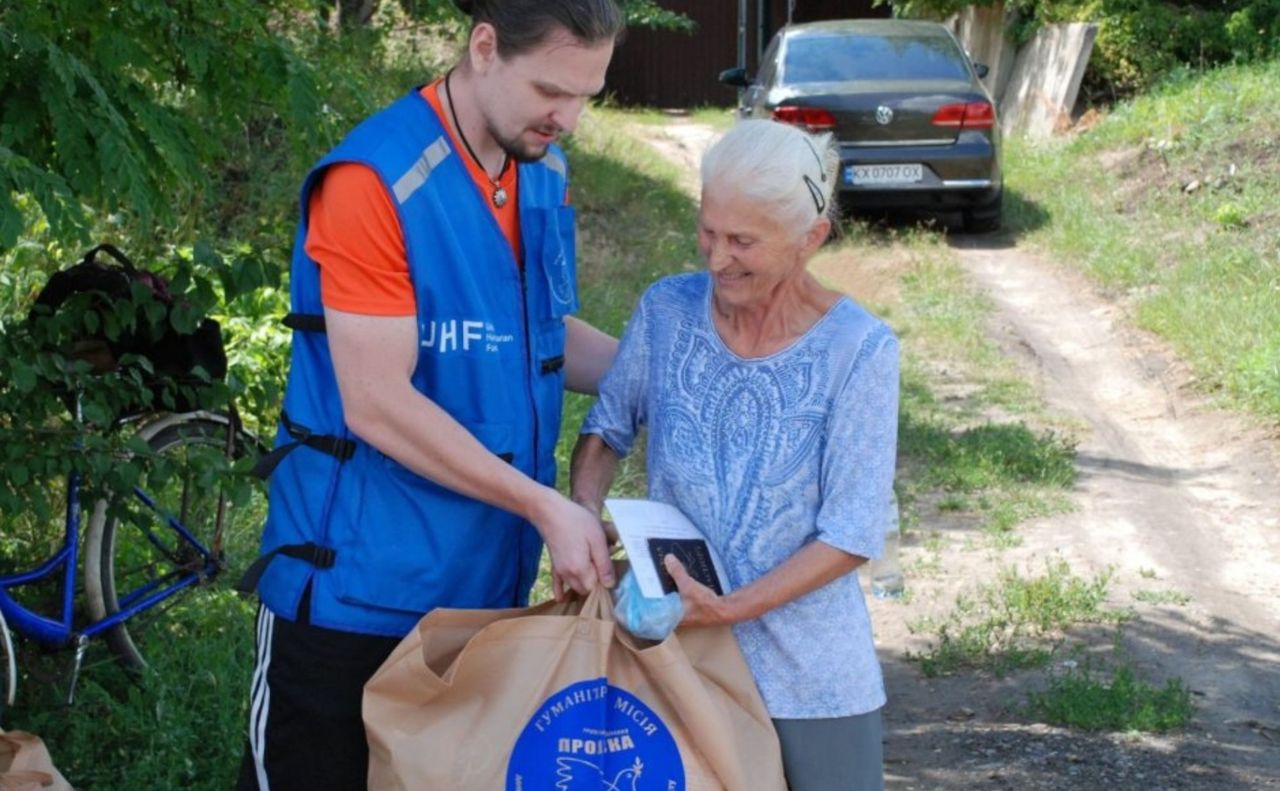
134,548
9,670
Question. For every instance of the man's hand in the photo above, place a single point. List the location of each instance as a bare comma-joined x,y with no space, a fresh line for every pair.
702,607
577,544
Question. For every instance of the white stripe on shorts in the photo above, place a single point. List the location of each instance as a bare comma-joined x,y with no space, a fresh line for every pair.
260,702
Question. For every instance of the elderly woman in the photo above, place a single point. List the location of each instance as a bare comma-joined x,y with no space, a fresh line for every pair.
771,404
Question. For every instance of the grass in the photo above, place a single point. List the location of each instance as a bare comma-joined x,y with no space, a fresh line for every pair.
181,727
1169,202
635,226
974,437
718,118
1016,621
1093,700
1176,598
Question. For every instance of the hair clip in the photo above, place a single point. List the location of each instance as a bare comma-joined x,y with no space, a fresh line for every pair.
819,202
822,171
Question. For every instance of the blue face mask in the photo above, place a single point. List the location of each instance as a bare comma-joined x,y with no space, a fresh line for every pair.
652,619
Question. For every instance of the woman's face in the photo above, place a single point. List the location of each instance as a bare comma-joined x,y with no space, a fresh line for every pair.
748,251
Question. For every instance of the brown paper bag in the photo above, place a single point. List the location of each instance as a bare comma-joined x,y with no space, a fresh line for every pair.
559,697
25,764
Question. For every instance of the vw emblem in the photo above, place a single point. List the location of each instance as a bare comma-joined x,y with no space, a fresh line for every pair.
883,115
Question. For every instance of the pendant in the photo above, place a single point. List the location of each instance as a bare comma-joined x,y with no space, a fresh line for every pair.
500,197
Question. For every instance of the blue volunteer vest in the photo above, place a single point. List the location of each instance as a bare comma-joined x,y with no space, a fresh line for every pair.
491,352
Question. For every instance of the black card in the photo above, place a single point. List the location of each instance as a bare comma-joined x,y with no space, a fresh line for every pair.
695,556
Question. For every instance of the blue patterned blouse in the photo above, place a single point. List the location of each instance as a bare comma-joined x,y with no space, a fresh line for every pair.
765,455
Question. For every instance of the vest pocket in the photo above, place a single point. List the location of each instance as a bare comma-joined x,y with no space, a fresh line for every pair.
556,258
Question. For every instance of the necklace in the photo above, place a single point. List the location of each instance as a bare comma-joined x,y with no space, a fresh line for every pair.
499,196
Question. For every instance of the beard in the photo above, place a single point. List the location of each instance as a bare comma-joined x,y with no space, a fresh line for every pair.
519,150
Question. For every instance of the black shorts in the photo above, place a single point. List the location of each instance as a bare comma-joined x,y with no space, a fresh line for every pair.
305,729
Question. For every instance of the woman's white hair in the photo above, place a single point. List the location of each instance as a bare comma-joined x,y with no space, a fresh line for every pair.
786,169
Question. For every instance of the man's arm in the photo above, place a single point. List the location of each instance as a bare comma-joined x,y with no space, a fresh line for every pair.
588,353
374,358
591,472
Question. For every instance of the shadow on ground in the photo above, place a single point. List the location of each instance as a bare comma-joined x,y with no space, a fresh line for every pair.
972,730
1021,215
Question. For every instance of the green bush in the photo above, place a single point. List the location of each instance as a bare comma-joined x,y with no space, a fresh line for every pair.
1254,31
1139,42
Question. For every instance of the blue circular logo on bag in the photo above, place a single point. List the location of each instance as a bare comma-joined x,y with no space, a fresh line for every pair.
591,736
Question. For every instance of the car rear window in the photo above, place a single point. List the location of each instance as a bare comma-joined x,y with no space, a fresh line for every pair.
837,58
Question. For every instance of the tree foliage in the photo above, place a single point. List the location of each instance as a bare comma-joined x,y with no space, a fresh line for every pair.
1139,42
123,105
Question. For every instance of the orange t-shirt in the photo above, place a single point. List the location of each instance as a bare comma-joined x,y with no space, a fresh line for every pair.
354,233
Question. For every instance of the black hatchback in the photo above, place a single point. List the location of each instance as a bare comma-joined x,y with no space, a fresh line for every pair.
915,126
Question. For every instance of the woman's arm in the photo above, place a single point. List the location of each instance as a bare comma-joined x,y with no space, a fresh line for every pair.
815,565
614,421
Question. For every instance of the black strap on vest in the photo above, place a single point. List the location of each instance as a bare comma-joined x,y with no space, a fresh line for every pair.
305,322
337,447
316,555
552,364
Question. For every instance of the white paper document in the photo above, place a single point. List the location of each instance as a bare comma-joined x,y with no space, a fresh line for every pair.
650,530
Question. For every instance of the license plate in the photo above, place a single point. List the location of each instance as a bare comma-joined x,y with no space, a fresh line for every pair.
883,174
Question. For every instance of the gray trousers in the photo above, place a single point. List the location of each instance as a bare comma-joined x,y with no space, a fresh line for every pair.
839,754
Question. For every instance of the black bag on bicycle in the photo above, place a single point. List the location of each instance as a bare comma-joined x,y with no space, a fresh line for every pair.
174,355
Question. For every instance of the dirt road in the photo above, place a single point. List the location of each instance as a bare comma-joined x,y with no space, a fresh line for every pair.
1169,489
1171,492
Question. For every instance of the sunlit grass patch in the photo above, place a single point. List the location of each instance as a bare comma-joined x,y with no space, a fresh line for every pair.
1094,700
1016,621
974,437
1174,597
1170,203
718,118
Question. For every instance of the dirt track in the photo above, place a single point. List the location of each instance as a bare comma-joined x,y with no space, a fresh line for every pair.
1167,484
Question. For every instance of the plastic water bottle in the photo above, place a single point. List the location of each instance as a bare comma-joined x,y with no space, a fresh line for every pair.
887,581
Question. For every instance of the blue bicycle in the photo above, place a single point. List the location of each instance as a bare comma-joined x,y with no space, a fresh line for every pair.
143,553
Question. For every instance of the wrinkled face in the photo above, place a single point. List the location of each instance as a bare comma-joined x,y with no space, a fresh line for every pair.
529,100
749,252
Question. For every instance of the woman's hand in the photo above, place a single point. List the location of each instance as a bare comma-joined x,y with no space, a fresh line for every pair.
815,565
702,607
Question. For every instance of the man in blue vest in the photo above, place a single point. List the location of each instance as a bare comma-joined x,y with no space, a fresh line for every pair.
433,282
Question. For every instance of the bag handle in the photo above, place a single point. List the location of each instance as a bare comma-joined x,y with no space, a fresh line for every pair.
114,252
598,605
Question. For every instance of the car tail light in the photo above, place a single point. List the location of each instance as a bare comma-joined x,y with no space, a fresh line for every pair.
966,115
815,119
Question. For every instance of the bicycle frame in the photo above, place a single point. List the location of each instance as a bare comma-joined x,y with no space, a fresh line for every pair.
61,632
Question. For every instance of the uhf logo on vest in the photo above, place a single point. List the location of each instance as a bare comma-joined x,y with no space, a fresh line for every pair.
464,335
595,736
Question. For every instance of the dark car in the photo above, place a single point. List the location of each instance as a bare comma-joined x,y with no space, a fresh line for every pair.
916,128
